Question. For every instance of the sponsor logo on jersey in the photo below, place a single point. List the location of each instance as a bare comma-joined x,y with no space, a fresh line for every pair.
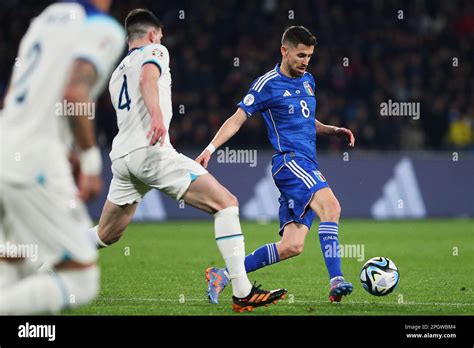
249,99
308,88
287,94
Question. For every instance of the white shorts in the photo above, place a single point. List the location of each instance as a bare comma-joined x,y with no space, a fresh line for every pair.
150,167
48,222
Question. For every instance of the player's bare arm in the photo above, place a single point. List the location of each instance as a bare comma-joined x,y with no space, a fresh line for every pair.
82,79
149,91
227,131
324,129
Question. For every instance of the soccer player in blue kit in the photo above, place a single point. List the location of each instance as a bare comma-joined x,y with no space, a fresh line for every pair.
285,97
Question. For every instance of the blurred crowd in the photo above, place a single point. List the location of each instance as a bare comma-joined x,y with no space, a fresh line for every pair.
368,52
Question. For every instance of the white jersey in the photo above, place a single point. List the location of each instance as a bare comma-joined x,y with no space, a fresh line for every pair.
32,143
133,118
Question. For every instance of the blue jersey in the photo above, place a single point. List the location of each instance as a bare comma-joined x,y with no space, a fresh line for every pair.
288,106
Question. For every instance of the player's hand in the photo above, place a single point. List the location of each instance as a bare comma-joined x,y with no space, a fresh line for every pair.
346,133
157,131
203,158
89,186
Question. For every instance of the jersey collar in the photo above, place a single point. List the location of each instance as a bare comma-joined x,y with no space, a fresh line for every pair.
134,49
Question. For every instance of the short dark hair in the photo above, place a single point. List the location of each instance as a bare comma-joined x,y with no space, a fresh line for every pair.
137,22
298,34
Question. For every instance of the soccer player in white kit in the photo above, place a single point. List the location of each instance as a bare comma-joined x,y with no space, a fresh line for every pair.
66,55
143,158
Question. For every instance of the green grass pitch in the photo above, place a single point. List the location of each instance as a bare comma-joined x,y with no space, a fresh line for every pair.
158,269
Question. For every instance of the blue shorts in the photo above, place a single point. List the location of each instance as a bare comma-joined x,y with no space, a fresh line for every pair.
298,179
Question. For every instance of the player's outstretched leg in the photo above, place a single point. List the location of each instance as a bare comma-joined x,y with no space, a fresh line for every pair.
207,194
291,245
114,220
325,204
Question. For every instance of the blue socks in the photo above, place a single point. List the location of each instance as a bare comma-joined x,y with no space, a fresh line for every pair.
263,256
328,232
330,247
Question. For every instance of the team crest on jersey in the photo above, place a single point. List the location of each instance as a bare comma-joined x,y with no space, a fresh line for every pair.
157,53
249,99
319,176
308,88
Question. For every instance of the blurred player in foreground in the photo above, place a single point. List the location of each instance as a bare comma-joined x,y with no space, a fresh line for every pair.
64,58
143,158
285,97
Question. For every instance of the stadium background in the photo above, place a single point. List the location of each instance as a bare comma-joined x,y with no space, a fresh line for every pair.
217,48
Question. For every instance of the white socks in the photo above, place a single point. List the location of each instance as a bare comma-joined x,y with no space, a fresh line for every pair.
94,235
230,242
50,292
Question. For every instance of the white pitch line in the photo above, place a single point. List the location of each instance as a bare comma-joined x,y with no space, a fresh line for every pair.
348,302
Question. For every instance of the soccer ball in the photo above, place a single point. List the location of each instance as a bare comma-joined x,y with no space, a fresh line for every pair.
379,276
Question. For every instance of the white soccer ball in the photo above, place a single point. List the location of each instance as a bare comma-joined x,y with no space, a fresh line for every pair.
379,276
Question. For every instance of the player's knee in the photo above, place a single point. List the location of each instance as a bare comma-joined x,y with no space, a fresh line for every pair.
331,211
294,249
335,211
232,201
226,201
